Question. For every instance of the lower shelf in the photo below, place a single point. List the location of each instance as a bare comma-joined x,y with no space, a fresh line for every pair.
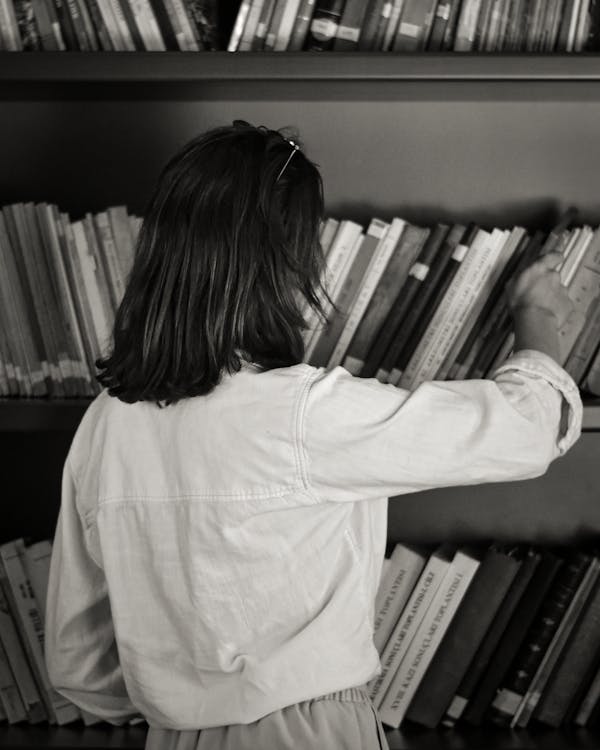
408,738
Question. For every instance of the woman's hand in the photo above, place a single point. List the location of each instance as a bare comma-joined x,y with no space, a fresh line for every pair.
540,306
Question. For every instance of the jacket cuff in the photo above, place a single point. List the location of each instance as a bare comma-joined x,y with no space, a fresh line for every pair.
538,364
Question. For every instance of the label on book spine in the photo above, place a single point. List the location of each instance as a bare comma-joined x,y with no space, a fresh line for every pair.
460,252
443,11
323,28
409,29
419,271
350,33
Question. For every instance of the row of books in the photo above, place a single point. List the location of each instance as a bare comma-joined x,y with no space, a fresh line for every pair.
406,303
61,283
108,25
410,304
417,25
26,694
508,635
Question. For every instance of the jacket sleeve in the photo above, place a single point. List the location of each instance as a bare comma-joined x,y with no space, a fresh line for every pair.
80,647
362,439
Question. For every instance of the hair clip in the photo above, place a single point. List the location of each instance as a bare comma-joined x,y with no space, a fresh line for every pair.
295,147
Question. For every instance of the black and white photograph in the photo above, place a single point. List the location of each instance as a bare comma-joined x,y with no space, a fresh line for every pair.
300,374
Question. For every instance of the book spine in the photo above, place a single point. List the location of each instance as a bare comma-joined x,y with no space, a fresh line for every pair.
509,697
442,15
592,380
589,702
414,26
28,26
465,633
284,33
556,645
9,27
349,28
112,26
384,20
126,31
451,26
90,29
406,565
36,560
274,25
428,353
467,23
482,25
182,26
109,256
428,638
406,626
10,700
162,24
378,229
258,41
324,24
104,38
238,28
301,25
584,348
245,43
46,29
392,27
484,654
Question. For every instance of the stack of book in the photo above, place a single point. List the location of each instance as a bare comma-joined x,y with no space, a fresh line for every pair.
108,25
61,283
409,304
406,303
417,25
26,694
507,635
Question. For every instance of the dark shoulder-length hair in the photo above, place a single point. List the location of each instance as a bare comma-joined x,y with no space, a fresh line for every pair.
227,258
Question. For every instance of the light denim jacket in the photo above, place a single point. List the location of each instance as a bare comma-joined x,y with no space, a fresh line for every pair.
218,559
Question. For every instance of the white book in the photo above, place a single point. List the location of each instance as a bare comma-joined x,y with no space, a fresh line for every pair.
377,229
100,315
122,26
582,28
337,259
392,27
147,25
245,43
426,641
466,26
125,234
18,662
238,28
327,234
182,26
31,627
10,700
573,26
37,566
112,26
284,33
572,254
421,360
405,567
114,273
9,27
408,622
508,241
387,245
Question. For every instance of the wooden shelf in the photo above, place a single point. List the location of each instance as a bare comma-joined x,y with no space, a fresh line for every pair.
24,737
31,415
172,67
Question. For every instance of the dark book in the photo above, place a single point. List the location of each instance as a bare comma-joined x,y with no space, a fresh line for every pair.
134,31
539,636
72,6
492,303
575,667
587,711
438,28
443,277
324,25
414,244
415,26
410,241
262,26
592,43
164,24
450,30
389,343
366,40
562,43
104,39
27,25
349,28
203,17
510,37
483,22
66,25
380,32
90,29
484,596
301,25
512,637
425,300
44,20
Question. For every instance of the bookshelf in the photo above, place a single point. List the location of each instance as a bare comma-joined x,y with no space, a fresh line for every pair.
406,135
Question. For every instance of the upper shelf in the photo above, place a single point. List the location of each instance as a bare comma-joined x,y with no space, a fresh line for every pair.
187,67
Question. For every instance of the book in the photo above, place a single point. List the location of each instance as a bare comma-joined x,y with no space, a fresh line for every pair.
9,27
414,25
466,26
238,27
17,660
324,24
262,26
301,25
405,628
284,32
477,667
589,702
368,33
385,235
28,26
538,684
407,244
405,566
482,25
512,637
348,31
392,26
383,353
17,588
428,637
182,25
586,344
36,560
465,633
505,706
274,24
203,19
10,700
348,292
438,29
450,30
